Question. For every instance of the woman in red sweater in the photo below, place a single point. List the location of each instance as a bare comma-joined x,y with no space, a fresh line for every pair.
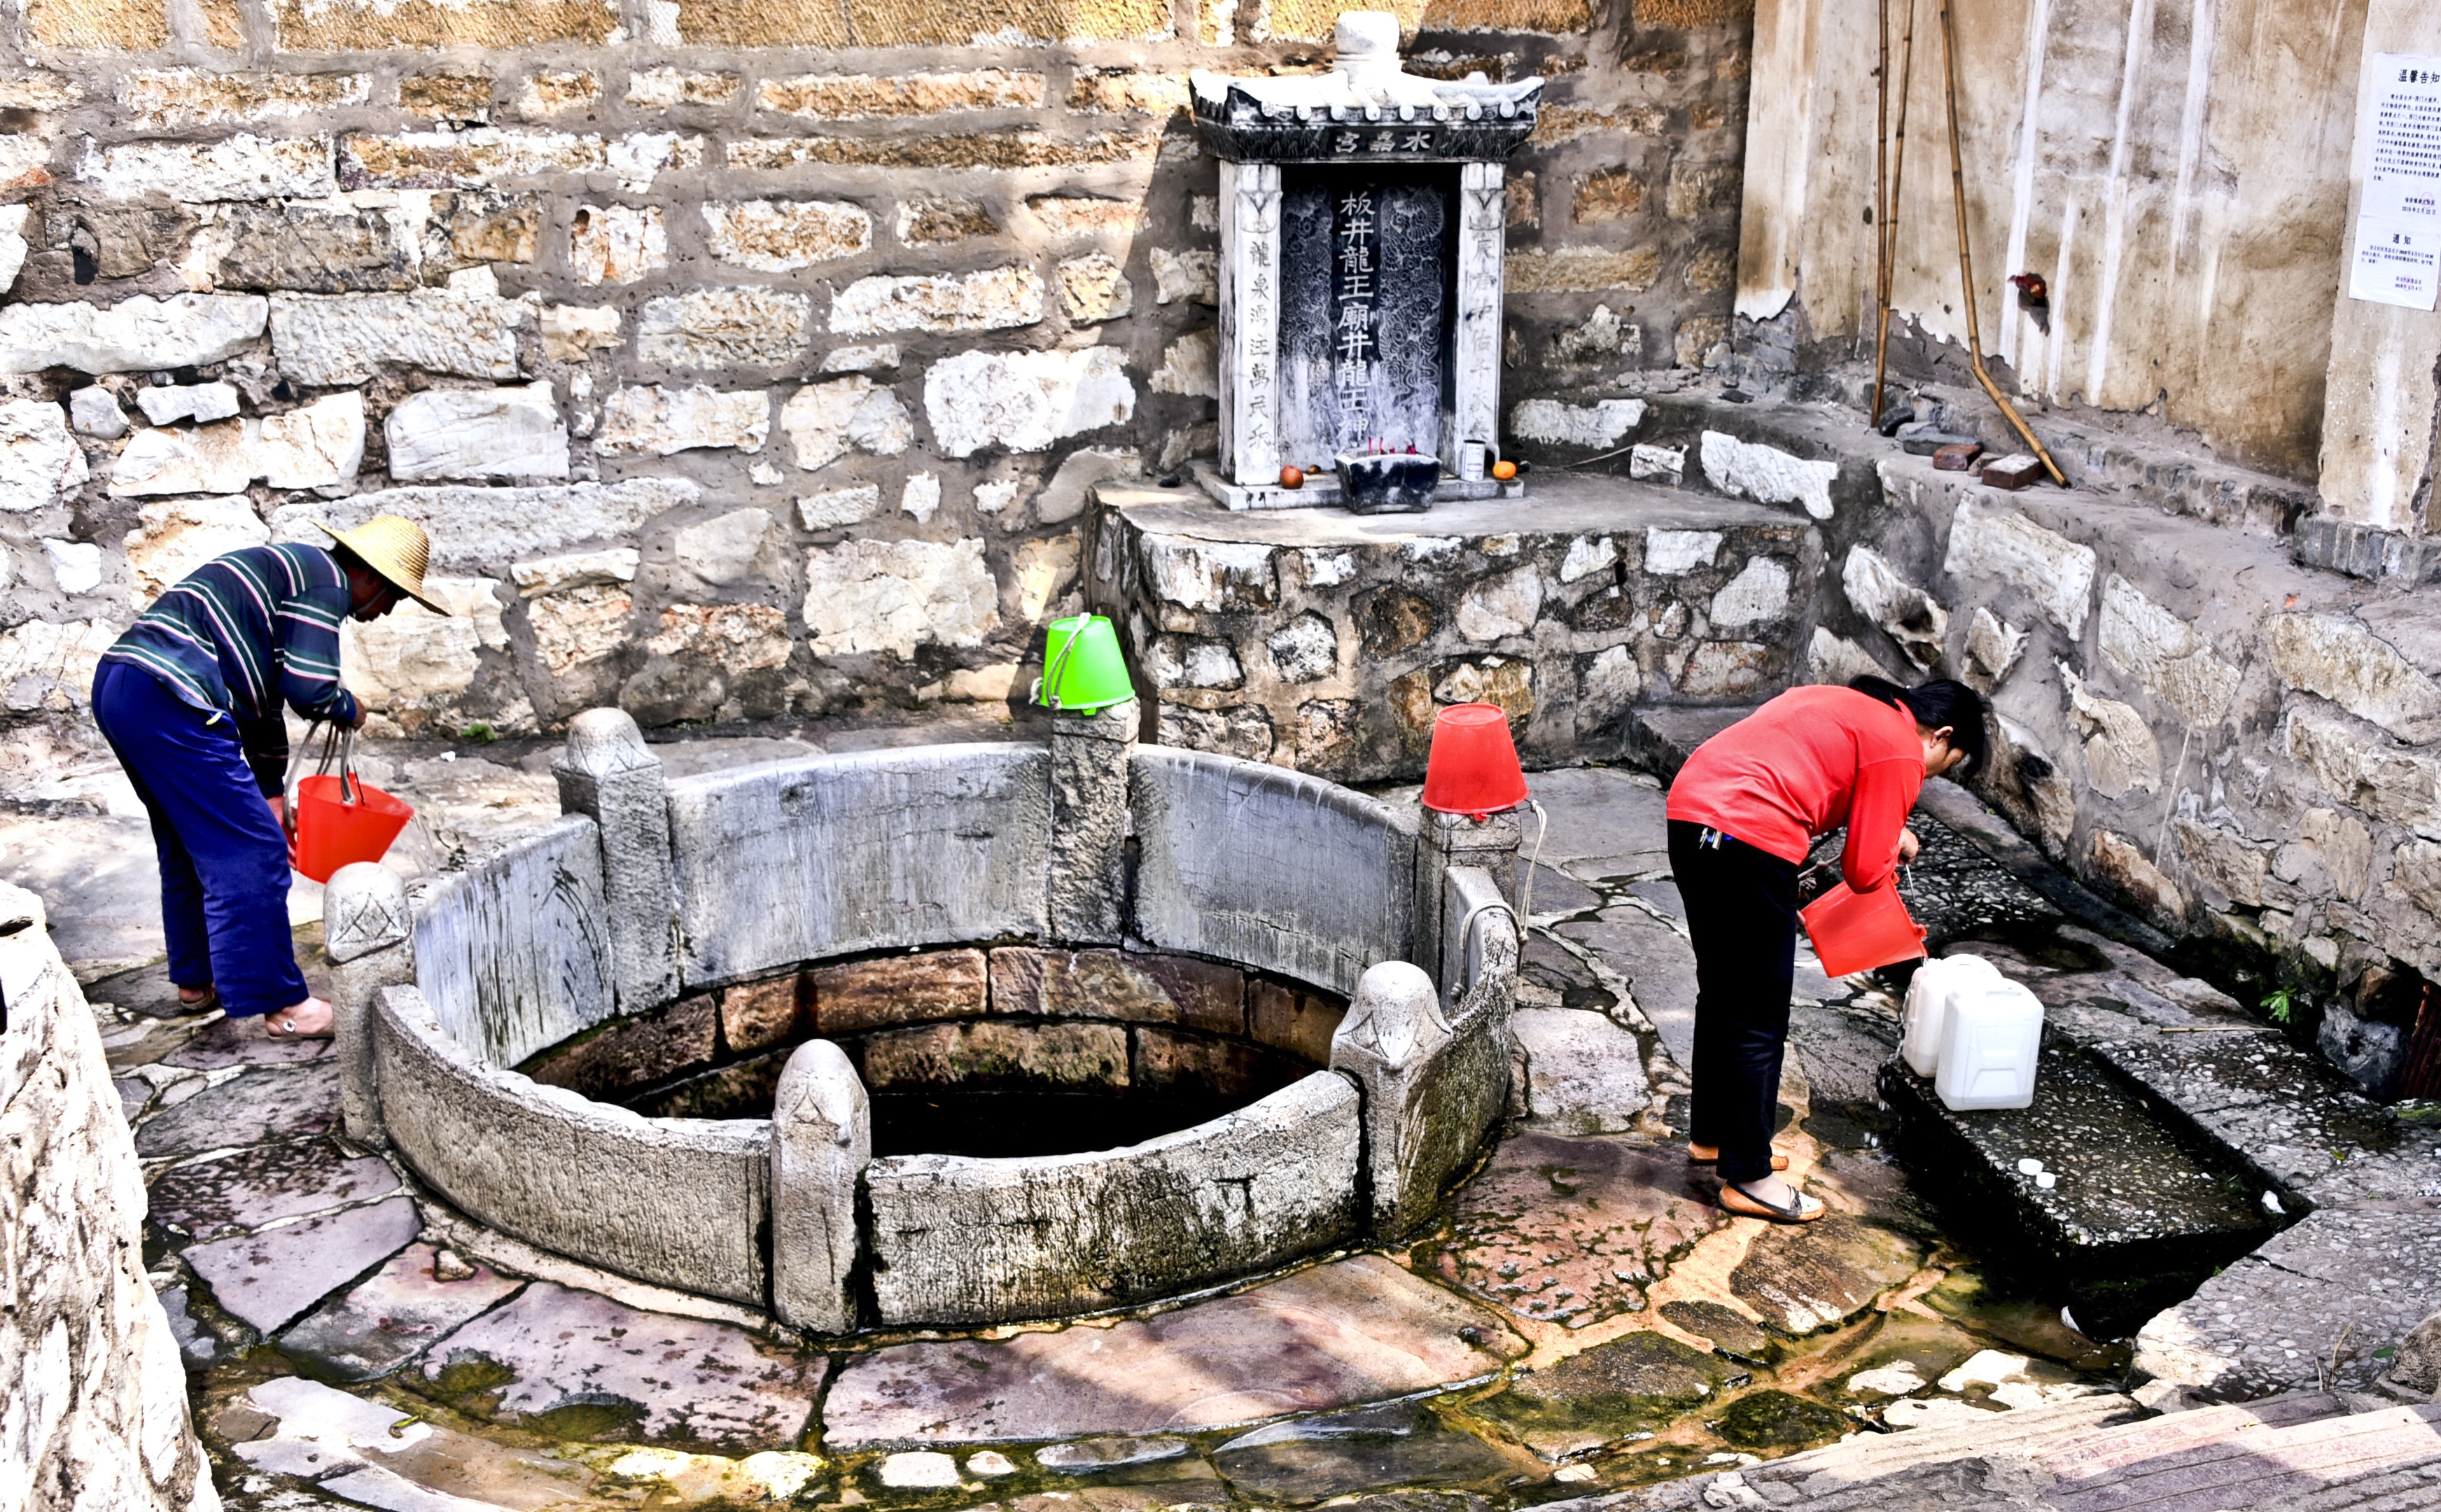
1744,812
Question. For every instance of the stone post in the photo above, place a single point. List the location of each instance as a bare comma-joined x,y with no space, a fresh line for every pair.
1478,958
369,933
1392,1032
609,774
822,1139
1089,824
1447,841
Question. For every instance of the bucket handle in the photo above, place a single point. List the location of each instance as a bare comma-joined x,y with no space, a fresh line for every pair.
1058,667
338,743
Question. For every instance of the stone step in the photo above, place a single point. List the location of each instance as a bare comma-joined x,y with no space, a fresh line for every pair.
2285,1108
2362,1460
2141,1209
1660,737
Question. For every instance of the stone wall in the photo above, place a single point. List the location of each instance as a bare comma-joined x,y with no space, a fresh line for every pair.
742,360
93,1393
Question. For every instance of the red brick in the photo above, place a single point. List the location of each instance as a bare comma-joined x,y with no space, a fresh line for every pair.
635,1052
1293,1019
893,990
995,1052
758,1014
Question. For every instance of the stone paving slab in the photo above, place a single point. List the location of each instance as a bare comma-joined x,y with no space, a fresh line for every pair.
209,1198
392,1315
271,1104
1805,1277
1632,1384
266,1279
1571,1231
1352,1331
1658,965
374,1453
1316,1458
1604,821
572,1364
2287,1110
227,1042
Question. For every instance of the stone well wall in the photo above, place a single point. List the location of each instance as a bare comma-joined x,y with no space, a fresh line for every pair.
742,359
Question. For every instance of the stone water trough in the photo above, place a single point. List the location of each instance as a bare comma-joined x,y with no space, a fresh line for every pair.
1287,1001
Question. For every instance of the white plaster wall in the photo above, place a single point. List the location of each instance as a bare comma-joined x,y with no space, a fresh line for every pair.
2176,168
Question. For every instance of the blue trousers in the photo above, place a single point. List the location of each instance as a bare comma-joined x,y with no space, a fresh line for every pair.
224,860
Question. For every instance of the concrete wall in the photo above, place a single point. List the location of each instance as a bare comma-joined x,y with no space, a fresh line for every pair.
95,1394
960,1240
742,359
679,1202
2176,168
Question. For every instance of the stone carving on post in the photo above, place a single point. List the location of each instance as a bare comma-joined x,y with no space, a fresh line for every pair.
369,933
1433,1087
822,1139
1089,824
609,774
1250,322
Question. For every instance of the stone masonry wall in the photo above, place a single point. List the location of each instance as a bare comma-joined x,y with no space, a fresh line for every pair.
93,1393
742,359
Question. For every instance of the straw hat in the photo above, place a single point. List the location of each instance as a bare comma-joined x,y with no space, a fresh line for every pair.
396,548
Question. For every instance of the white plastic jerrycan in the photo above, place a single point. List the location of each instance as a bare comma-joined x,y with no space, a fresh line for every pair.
1927,1005
1988,1047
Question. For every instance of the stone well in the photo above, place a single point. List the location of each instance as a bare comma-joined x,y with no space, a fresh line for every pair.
1323,981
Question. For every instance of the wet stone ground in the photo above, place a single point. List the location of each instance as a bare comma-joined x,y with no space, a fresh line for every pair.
1583,1317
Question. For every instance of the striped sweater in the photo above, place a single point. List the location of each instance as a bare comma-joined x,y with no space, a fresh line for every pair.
245,633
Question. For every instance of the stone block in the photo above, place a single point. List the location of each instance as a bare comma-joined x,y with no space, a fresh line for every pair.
993,299
760,1015
473,528
1597,426
824,422
2339,659
997,1053
1767,474
1271,869
175,536
240,166
667,88
360,25
1582,1074
822,1139
168,404
960,1240
881,849
781,236
369,933
723,328
455,95
624,1058
660,421
2115,861
1581,270
554,91
617,244
477,433
678,1203
40,462
515,955
1092,288
94,411
952,150
312,250
2144,640
142,334
937,220
611,775
483,155
1089,822
865,97
1989,541
168,99
1025,401
889,991
48,667
337,340
838,508
571,334
1198,1066
868,596
1065,216
1185,277
1915,620
1288,1018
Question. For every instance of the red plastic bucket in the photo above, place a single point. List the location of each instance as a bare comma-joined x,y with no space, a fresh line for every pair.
1472,768
1857,931
331,832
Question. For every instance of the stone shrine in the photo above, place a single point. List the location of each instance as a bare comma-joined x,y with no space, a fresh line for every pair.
1361,246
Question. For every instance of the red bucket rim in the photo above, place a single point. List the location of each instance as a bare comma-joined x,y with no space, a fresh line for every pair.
324,788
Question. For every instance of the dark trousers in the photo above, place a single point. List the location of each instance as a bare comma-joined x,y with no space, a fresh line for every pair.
224,860
1741,918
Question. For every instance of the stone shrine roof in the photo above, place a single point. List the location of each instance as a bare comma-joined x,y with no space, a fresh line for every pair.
1365,107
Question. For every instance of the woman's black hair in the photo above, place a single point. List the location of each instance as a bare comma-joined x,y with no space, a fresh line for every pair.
1940,702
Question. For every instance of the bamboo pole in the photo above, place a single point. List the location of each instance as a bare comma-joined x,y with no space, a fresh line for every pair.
1966,258
1885,234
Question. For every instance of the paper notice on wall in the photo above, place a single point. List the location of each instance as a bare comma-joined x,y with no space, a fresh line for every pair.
2399,225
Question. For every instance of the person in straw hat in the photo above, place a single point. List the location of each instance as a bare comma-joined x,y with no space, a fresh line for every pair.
190,700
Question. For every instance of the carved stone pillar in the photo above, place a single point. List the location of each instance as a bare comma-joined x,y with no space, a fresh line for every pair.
1449,842
1250,322
369,933
1089,824
609,774
1482,221
822,1139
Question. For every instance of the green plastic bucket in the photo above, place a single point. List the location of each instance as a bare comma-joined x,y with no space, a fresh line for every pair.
1082,670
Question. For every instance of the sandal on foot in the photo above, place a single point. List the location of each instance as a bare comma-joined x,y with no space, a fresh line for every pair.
210,1001
1779,1162
1736,1199
274,1029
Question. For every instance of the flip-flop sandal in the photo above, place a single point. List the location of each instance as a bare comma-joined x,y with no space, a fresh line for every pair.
1779,1162
210,1001
1737,1199
289,1031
